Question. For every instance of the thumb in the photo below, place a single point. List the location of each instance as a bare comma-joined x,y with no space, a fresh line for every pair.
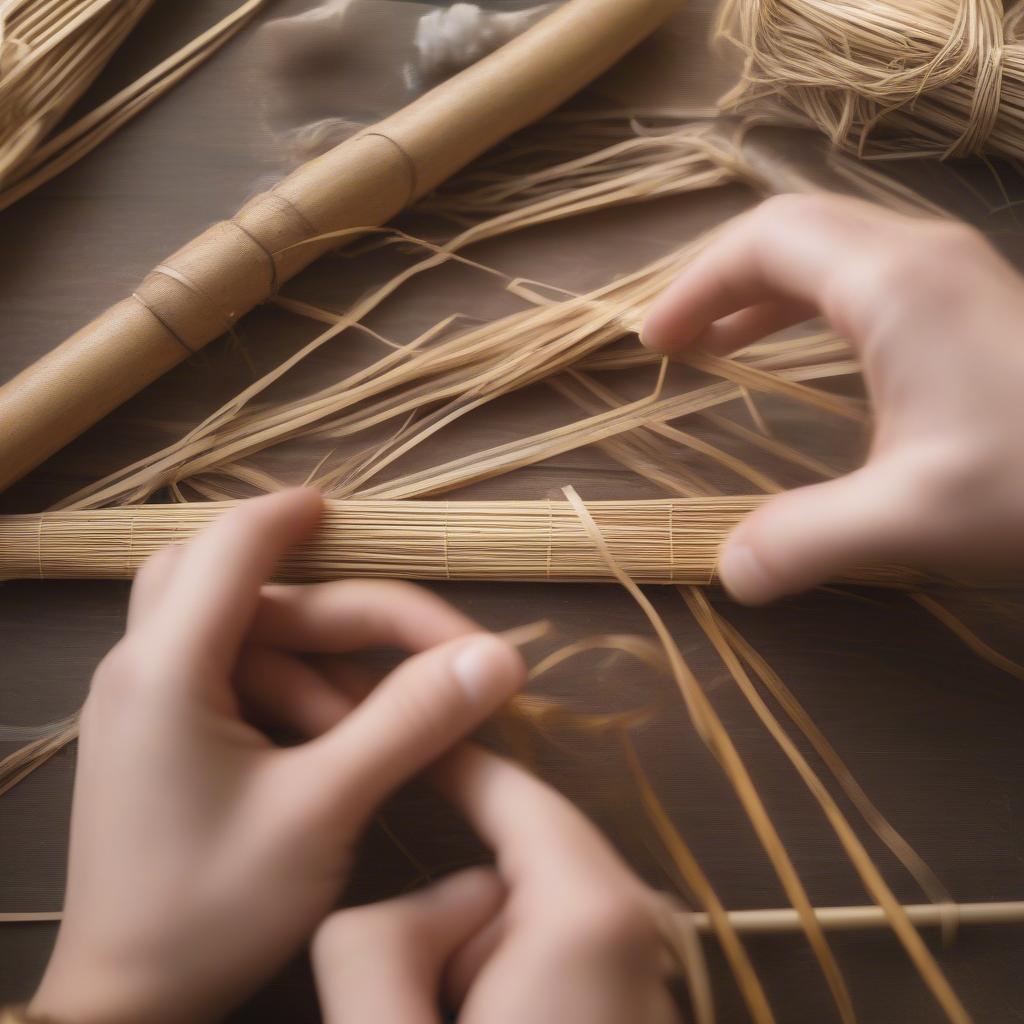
421,710
384,961
808,536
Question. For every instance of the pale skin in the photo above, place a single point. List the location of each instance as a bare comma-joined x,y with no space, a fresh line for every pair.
935,316
203,855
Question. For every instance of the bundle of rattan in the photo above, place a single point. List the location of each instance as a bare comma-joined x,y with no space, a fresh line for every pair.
889,77
51,51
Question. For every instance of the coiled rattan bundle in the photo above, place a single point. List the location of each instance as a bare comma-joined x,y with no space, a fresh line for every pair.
885,77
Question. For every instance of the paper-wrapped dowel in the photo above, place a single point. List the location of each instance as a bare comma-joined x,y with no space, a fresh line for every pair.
200,291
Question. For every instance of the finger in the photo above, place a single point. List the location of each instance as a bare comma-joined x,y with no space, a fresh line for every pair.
737,330
351,614
207,607
570,900
429,703
789,248
150,582
813,534
280,691
531,827
469,959
384,962
350,677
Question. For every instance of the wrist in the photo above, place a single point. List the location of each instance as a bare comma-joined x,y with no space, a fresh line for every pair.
84,1000
86,993
21,1015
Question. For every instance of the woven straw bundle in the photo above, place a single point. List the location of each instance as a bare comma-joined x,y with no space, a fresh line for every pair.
886,77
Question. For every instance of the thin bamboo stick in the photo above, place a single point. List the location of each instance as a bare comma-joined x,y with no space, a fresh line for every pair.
783,920
844,919
657,541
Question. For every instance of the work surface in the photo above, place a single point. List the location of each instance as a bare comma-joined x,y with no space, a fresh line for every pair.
933,733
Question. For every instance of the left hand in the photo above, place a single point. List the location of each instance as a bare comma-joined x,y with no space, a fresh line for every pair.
560,931
202,854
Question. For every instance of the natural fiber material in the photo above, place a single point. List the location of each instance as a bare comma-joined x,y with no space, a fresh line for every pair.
870,876
885,77
660,541
50,52
379,526
199,292
713,732
782,920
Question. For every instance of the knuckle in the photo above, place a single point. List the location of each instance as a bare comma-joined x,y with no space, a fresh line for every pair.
380,926
921,267
930,264
115,688
427,700
117,669
612,920
335,934
394,595
786,207
948,476
155,567
954,239
787,210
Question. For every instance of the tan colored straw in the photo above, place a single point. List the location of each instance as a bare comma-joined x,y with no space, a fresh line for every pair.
657,541
885,77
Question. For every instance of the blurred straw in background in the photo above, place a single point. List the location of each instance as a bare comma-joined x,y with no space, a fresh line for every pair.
51,51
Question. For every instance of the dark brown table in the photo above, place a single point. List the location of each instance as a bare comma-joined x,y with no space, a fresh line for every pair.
933,733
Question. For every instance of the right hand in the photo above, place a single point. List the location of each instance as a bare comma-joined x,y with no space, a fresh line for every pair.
936,317
560,931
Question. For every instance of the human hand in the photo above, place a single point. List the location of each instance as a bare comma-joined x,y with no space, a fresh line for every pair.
560,931
935,315
202,855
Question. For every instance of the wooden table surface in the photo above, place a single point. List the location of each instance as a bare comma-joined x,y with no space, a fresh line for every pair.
933,733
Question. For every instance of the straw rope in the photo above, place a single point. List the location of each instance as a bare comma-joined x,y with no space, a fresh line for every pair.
891,77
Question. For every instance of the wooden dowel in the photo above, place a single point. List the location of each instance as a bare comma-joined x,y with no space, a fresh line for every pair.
785,919
198,293
840,919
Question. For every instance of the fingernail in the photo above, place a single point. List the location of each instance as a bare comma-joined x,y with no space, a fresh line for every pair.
648,338
488,669
743,574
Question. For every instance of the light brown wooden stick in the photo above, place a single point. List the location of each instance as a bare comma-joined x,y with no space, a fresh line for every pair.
781,920
200,291
837,919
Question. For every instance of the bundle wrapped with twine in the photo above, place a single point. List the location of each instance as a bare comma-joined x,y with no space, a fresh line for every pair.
888,78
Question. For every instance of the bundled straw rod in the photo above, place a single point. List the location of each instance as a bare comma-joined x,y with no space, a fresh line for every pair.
658,541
